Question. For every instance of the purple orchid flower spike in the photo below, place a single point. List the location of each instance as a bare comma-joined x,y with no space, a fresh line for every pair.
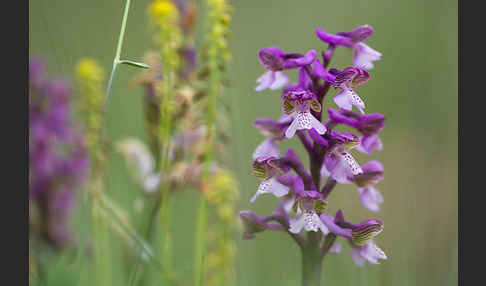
303,191
363,54
309,203
267,168
370,197
275,61
347,80
298,102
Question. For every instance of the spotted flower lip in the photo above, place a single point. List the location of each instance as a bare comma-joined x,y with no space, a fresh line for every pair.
270,185
308,203
363,54
347,80
298,102
341,165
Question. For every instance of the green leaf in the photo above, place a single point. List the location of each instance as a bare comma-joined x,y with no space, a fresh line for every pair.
135,64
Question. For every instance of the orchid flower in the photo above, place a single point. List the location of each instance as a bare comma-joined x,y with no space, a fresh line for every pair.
265,169
363,54
275,61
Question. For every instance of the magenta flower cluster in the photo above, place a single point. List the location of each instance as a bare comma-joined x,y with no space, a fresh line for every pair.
304,201
58,159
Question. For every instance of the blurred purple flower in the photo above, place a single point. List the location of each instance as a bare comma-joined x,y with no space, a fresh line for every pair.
58,160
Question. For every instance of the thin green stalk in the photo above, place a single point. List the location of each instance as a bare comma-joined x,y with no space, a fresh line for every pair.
200,241
119,46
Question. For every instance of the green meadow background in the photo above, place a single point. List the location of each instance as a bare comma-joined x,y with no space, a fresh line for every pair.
414,85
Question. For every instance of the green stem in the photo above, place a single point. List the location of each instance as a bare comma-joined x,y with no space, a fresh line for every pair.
312,259
119,46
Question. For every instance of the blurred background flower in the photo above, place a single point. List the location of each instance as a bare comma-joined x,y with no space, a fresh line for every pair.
58,159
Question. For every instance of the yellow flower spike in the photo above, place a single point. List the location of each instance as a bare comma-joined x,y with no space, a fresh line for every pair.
90,81
89,71
163,11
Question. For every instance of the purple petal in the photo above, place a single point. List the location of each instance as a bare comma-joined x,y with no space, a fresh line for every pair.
372,252
307,59
364,56
338,117
359,34
270,186
342,100
266,149
290,132
370,198
368,143
373,166
371,123
334,228
296,225
313,133
334,39
317,125
272,58
356,256
319,70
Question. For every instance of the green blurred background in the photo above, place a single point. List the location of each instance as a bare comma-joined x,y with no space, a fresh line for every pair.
414,86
